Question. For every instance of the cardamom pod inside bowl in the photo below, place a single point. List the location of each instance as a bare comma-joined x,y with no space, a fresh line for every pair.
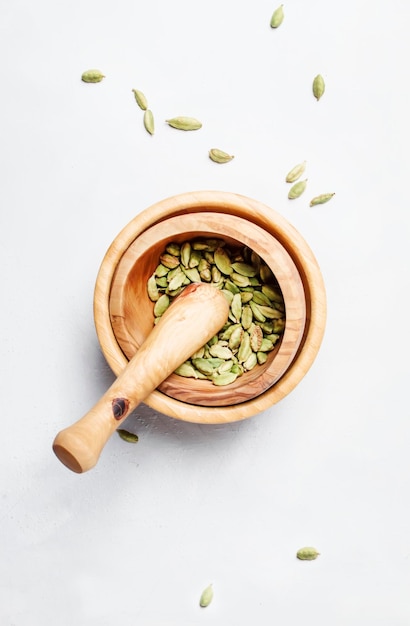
124,312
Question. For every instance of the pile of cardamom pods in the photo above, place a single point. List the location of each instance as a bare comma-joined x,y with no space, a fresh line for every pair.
257,311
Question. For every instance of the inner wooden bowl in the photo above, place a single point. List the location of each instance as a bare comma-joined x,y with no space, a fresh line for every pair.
131,310
274,224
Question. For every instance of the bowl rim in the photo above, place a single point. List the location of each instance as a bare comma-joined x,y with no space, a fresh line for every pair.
275,224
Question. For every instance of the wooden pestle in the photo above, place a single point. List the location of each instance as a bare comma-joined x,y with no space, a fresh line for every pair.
193,318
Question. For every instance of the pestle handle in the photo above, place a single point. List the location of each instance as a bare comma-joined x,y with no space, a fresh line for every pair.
194,317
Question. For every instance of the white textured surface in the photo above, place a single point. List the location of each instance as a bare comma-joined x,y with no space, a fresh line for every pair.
135,540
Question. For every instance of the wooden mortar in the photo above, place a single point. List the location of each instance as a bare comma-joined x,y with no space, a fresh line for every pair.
217,202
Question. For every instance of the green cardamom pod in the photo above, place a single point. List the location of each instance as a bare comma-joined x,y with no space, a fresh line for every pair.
266,345
152,288
236,307
226,378
244,269
184,123
261,357
259,317
307,554
173,248
245,348
272,293
297,189
92,76
277,17
321,199
221,352
219,156
270,312
127,436
250,362
318,86
169,260
149,121
256,336
140,99
236,338
176,281
185,253
296,172
161,305
203,365
260,298
222,261
186,370
247,317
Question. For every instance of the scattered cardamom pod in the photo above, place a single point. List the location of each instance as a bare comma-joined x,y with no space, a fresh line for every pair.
321,199
297,189
127,436
318,86
219,156
307,554
277,17
296,172
206,596
184,123
140,99
92,76
149,121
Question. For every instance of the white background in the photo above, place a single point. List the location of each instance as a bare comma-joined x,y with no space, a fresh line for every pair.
136,539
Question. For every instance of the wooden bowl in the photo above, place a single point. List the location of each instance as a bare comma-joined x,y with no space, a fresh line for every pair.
123,312
131,311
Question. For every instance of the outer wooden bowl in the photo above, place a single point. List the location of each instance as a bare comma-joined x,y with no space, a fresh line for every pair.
123,317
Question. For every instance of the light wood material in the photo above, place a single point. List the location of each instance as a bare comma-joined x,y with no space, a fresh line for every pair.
131,311
269,220
192,319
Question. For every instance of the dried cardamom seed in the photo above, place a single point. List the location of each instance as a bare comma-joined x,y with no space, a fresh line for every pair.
149,121
321,199
140,99
127,436
297,189
318,86
219,156
307,554
296,172
92,76
184,123
277,17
